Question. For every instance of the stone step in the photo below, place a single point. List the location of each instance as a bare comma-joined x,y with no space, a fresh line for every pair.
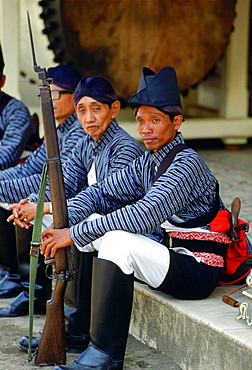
197,335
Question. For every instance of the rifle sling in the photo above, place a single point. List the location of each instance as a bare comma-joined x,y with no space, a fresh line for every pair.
34,252
197,221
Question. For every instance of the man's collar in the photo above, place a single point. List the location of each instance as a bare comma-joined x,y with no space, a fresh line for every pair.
68,122
107,136
160,154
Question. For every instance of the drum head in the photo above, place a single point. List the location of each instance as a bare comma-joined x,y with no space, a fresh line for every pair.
115,39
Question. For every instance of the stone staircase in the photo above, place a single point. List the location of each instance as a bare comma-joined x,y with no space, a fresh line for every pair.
197,335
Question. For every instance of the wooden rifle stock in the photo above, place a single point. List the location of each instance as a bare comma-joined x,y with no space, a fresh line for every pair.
52,347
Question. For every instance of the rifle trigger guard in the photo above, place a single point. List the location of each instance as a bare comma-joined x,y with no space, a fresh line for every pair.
49,276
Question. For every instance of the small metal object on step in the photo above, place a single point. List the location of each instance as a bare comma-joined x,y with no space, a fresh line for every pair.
235,210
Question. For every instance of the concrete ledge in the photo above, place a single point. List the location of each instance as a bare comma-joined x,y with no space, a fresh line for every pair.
197,335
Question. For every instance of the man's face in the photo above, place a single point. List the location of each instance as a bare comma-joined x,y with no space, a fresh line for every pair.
155,127
62,107
94,116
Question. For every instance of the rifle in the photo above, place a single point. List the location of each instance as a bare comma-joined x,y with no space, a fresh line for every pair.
52,347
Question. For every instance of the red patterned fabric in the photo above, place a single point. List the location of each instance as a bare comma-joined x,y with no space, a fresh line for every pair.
192,235
210,259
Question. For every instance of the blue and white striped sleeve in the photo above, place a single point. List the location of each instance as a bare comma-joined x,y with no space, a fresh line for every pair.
17,125
33,165
14,190
178,190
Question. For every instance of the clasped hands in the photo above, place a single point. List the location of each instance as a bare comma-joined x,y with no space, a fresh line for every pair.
22,213
51,239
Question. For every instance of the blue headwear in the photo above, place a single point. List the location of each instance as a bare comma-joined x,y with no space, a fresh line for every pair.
64,76
157,89
97,88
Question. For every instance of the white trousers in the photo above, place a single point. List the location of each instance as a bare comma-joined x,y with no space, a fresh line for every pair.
148,259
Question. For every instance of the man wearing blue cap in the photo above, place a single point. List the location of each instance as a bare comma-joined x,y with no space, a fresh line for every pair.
19,181
105,149
135,203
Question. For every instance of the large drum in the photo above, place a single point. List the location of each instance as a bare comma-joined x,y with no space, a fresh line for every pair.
115,39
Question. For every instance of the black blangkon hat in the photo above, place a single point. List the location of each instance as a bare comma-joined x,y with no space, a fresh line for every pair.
157,89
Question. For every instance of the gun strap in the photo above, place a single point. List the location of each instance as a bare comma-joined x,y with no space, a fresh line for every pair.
34,252
199,220
168,159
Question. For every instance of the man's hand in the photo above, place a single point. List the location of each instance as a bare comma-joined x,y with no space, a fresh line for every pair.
23,213
52,239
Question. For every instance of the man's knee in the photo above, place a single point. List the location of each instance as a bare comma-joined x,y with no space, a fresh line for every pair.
115,247
113,241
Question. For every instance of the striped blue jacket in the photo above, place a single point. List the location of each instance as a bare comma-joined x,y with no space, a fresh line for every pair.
20,181
15,129
130,201
113,151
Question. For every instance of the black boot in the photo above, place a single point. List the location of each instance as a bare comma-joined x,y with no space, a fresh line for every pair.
74,343
3,272
42,292
8,255
111,304
23,240
20,305
79,294
10,286
79,319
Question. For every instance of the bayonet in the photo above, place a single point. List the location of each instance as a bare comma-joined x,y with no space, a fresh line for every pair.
52,348
42,75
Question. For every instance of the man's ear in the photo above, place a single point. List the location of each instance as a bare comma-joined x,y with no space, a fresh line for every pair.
2,81
177,120
115,106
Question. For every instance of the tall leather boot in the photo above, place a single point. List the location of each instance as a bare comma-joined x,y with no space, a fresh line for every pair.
77,333
78,296
20,305
111,304
10,285
79,319
23,240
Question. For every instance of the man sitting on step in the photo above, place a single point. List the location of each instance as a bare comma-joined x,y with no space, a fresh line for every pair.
105,149
180,194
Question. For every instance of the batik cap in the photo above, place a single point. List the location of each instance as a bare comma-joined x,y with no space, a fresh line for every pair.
1,61
64,76
97,88
157,89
